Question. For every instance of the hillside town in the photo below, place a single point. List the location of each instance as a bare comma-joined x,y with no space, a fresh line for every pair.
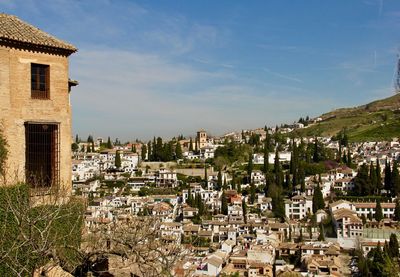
224,217
319,196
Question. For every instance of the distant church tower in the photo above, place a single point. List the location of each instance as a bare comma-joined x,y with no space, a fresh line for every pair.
201,138
35,112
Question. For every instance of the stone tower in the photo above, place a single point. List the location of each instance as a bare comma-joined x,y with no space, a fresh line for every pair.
35,112
201,138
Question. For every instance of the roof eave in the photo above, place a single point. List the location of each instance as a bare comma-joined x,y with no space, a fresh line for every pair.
37,47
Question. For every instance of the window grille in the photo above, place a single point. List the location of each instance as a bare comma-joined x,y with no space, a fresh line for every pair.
42,162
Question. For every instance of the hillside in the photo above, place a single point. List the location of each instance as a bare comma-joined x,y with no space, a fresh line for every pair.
378,120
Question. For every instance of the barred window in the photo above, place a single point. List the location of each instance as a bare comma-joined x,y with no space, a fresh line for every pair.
42,154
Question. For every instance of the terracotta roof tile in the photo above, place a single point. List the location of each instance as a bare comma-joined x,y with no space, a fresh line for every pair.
13,29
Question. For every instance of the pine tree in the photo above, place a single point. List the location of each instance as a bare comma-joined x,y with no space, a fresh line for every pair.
109,144
117,161
318,200
378,211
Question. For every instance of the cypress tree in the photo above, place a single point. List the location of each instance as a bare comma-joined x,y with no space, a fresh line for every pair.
224,204
373,178
219,180
205,175
266,155
117,161
278,170
395,179
388,177
244,209
250,167
362,184
318,200
154,153
109,144
397,210
225,186
378,176
301,234
149,151
189,199
370,216
321,236
393,250
76,138
196,147
178,151
93,146
301,177
252,193
378,211
190,145
316,151
144,152
344,159
349,162
83,148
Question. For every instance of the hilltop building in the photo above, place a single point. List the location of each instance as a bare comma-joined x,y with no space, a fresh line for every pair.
35,111
201,139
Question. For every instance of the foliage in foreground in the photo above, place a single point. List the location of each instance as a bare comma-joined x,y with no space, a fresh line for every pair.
31,237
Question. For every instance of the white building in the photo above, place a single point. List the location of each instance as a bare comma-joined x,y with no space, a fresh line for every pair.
298,207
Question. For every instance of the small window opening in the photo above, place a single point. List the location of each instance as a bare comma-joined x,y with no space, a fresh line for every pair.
40,81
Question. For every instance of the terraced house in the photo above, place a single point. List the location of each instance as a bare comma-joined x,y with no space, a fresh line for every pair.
35,112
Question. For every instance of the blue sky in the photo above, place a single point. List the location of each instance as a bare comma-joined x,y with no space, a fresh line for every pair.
164,68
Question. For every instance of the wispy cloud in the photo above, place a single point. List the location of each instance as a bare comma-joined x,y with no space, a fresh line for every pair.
283,76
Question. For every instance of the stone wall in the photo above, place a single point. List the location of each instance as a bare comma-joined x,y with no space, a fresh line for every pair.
17,107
